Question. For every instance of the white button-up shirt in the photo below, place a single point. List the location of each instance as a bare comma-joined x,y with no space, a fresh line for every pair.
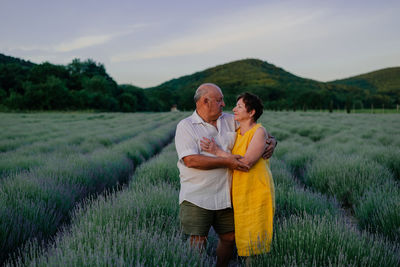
209,189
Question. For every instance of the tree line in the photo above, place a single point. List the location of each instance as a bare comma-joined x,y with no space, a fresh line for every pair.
80,85
83,85
292,95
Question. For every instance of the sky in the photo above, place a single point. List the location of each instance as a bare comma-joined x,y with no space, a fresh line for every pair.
146,43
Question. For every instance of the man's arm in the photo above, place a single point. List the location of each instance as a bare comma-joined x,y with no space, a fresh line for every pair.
189,153
203,162
271,144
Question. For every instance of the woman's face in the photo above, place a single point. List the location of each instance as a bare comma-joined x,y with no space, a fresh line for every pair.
240,111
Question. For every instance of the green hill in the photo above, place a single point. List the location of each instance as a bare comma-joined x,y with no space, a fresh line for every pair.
278,88
12,60
384,81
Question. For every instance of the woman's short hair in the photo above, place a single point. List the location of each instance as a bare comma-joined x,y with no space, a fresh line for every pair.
252,102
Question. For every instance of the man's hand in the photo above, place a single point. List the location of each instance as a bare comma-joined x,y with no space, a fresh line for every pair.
209,145
269,150
236,164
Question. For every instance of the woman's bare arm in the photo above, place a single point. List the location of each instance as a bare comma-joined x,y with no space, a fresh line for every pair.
254,151
256,147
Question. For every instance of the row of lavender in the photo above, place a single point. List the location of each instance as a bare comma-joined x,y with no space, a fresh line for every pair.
69,157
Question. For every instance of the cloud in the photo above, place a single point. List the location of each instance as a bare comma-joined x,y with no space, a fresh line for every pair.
83,42
92,40
75,44
220,32
78,42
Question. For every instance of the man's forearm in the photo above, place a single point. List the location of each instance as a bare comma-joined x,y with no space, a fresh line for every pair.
273,139
205,162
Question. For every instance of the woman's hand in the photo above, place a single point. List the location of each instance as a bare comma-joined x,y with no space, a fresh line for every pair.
209,145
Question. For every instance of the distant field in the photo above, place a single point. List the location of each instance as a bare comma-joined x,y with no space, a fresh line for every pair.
372,111
337,181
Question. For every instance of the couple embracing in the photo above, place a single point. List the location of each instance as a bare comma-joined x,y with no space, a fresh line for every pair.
225,177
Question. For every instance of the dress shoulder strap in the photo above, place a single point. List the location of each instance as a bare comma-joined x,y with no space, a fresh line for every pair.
254,129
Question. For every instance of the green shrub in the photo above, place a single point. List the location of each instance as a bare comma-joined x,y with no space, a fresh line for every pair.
325,241
387,156
291,198
298,160
379,210
297,201
347,177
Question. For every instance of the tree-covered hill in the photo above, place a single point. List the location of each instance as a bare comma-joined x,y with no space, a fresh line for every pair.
278,88
9,60
79,85
86,85
384,83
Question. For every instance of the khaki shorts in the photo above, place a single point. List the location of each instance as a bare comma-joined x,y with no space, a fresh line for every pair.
197,221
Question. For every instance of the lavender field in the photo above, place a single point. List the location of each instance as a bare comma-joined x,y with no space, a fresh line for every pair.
50,162
84,190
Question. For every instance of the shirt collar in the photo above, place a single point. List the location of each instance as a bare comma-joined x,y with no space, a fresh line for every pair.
197,119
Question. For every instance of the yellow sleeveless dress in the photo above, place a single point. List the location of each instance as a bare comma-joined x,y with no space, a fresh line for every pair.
253,197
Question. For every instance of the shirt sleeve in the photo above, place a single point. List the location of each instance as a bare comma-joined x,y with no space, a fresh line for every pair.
185,141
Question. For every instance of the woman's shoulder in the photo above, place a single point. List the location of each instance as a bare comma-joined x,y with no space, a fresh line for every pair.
260,128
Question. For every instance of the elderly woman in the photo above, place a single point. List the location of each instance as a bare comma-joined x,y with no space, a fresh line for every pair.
252,192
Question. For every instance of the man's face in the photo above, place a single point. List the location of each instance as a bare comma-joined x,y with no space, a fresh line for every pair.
215,103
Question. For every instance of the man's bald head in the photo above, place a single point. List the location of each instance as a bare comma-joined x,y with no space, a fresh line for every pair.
209,102
204,89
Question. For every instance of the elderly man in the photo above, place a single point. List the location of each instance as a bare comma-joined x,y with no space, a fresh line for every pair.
205,196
